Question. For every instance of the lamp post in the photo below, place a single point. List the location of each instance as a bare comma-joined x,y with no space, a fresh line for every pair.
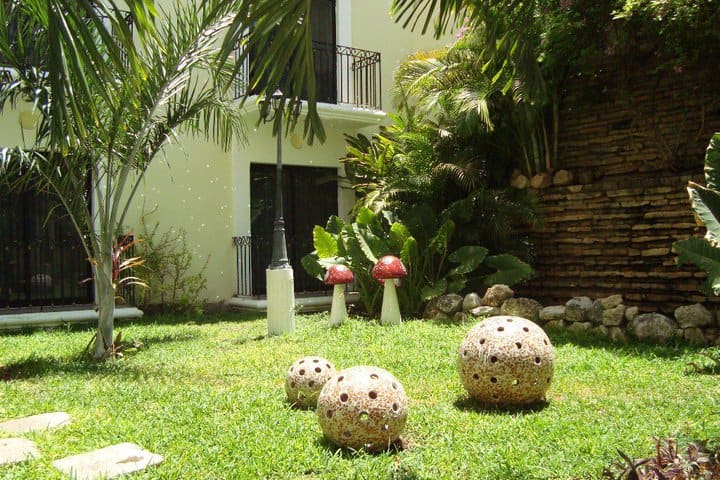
279,274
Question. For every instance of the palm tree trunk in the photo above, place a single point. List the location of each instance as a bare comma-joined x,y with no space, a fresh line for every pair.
105,294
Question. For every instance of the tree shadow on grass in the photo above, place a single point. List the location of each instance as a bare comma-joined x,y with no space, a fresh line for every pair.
466,403
35,366
202,319
633,348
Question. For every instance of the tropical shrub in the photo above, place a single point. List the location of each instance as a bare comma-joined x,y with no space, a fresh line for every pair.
426,175
171,285
434,268
705,201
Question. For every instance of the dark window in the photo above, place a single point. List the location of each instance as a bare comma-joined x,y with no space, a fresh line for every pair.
41,260
310,197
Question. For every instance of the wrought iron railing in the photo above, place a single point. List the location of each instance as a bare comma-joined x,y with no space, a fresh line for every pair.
252,260
343,75
243,256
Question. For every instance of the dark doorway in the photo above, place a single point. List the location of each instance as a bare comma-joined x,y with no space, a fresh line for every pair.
323,26
310,197
322,23
42,262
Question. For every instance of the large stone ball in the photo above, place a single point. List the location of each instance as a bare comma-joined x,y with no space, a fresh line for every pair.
305,378
506,360
362,407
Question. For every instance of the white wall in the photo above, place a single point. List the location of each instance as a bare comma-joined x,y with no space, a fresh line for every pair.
205,191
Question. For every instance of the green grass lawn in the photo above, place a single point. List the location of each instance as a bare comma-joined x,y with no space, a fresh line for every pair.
209,396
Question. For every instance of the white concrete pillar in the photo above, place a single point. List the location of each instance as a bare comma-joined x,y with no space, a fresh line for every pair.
280,300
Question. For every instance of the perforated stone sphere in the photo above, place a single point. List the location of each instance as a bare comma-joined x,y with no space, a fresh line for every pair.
305,378
506,360
362,407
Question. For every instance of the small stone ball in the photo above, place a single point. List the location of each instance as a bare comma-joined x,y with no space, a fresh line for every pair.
506,360
363,407
305,378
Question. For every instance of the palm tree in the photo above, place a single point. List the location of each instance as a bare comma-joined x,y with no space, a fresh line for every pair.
510,31
110,98
473,95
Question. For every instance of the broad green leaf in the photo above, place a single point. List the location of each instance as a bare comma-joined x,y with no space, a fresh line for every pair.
342,244
432,291
706,204
312,266
364,216
388,216
367,241
510,270
324,242
701,253
440,241
470,257
398,235
334,224
356,254
456,284
326,262
712,163
409,253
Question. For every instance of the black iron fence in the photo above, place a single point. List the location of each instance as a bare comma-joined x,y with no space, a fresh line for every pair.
343,75
44,272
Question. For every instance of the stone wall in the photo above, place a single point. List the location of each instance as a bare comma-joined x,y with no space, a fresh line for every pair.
632,142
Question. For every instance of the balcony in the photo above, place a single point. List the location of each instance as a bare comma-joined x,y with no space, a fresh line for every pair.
343,75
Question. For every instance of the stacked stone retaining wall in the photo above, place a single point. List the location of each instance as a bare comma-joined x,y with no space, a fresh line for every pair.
632,142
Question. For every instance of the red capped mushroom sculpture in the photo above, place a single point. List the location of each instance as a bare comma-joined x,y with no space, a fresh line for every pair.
386,270
338,275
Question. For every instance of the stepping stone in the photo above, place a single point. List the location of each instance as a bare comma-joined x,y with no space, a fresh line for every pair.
44,421
107,462
16,450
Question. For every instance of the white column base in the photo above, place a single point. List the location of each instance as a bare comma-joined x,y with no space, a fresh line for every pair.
338,310
390,313
280,300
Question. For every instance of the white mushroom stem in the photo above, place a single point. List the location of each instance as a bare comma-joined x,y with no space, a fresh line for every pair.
390,313
338,310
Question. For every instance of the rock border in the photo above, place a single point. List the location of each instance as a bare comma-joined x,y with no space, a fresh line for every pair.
607,316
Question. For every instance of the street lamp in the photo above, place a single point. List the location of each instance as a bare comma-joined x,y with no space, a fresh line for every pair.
279,274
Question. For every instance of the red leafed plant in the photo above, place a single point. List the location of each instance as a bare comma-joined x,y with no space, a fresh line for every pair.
120,264
696,461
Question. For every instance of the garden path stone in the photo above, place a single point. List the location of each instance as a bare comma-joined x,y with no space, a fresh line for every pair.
107,462
16,450
44,421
